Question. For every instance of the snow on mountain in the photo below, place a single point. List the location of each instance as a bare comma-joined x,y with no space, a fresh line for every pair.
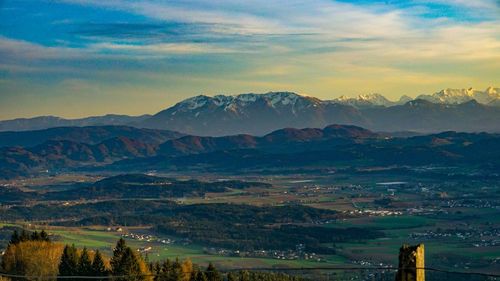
404,99
293,102
238,102
251,113
456,96
490,96
368,100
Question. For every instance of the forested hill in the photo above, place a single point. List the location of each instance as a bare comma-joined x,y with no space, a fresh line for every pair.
280,150
130,186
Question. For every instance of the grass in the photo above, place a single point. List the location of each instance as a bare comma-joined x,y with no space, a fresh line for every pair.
386,223
88,238
105,241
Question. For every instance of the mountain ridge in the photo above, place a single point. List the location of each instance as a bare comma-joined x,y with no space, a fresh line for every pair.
88,135
258,114
289,147
47,122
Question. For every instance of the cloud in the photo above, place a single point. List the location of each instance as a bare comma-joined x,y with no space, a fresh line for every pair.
273,28
12,49
476,4
318,47
158,49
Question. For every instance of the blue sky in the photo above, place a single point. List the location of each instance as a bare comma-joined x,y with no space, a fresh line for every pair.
76,58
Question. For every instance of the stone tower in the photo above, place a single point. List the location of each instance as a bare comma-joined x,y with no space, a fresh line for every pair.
411,263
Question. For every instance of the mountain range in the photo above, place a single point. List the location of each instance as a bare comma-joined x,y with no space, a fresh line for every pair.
87,135
45,122
282,149
491,96
258,114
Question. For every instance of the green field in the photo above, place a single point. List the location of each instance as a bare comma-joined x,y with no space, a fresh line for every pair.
105,240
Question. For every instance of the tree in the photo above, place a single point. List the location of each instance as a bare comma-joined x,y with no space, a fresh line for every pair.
25,236
32,258
176,273
194,273
212,273
129,267
155,268
118,252
35,236
44,236
14,239
232,277
17,238
187,269
69,265
84,264
98,266
244,275
200,276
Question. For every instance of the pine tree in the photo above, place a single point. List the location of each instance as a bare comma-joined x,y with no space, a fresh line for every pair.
69,261
232,277
244,275
166,269
212,273
129,266
25,236
176,271
98,267
44,236
14,239
194,273
118,252
35,236
85,264
200,276
155,268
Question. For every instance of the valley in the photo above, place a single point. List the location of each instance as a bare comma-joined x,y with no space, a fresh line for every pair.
147,140
456,219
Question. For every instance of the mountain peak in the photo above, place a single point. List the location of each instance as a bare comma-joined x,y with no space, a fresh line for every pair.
365,100
236,103
457,96
194,102
404,99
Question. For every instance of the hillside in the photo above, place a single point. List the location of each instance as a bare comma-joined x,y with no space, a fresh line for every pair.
281,149
88,135
45,122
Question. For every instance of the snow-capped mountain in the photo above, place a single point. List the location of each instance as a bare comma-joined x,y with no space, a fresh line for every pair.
258,114
370,100
251,113
239,103
490,96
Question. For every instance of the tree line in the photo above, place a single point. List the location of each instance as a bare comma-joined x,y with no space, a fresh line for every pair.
34,256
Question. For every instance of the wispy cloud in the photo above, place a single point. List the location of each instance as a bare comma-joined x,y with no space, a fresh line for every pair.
12,49
162,48
477,4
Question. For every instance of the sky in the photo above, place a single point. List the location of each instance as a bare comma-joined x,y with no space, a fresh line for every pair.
75,58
